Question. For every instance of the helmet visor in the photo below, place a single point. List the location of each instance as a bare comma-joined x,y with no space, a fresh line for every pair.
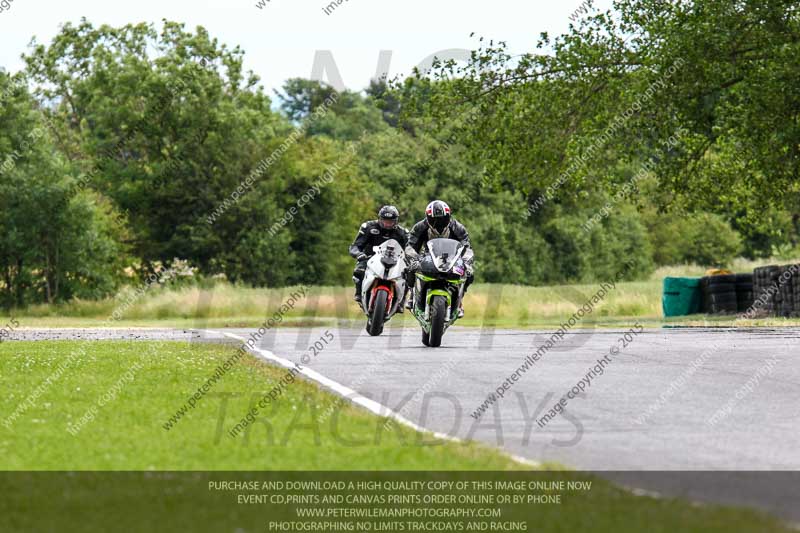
439,223
388,223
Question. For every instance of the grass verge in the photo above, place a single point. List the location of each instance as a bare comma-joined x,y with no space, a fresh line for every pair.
305,431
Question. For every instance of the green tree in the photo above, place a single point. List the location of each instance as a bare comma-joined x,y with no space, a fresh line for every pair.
342,115
57,240
619,84
166,124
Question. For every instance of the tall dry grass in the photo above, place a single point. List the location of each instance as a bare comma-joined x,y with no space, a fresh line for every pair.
501,304
507,303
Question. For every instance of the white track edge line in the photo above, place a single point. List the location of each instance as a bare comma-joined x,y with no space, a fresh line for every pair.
355,397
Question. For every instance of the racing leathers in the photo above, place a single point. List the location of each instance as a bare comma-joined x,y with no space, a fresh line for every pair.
372,234
421,233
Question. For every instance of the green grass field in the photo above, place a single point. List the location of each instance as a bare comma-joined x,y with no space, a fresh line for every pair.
128,434
509,306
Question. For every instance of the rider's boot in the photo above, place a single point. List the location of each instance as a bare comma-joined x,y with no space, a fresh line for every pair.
357,296
405,303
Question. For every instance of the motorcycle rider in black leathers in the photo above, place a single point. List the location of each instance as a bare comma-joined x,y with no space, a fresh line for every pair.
375,233
438,224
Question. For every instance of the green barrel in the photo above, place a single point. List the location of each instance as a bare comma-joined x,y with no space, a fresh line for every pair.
682,296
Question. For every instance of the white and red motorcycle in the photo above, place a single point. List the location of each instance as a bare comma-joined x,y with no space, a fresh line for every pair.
384,285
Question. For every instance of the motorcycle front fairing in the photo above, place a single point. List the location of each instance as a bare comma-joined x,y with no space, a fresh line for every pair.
442,270
386,268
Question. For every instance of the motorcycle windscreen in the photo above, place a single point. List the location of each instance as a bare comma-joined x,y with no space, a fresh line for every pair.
390,252
444,252
389,248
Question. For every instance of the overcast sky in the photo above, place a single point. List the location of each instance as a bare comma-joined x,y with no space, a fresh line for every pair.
281,40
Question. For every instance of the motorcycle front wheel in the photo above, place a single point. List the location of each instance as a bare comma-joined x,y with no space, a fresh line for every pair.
378,315
438,318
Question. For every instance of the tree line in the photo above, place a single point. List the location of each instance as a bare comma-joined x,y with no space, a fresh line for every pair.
120,146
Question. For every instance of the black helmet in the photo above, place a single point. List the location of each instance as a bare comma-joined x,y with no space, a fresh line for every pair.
388,216
438,215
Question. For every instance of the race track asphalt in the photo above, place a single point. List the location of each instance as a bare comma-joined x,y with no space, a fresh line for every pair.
709,414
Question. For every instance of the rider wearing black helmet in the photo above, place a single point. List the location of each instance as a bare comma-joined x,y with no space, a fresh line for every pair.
438,223
375,233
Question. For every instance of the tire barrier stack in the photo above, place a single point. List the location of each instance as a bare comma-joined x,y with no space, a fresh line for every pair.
785,298
744,292
790,307
763,278
719,294
774,289
779,288
796,291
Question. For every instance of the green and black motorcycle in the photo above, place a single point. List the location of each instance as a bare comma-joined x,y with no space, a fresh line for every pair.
439,287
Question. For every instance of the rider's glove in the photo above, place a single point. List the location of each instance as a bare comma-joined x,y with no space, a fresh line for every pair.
362,257
413,265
